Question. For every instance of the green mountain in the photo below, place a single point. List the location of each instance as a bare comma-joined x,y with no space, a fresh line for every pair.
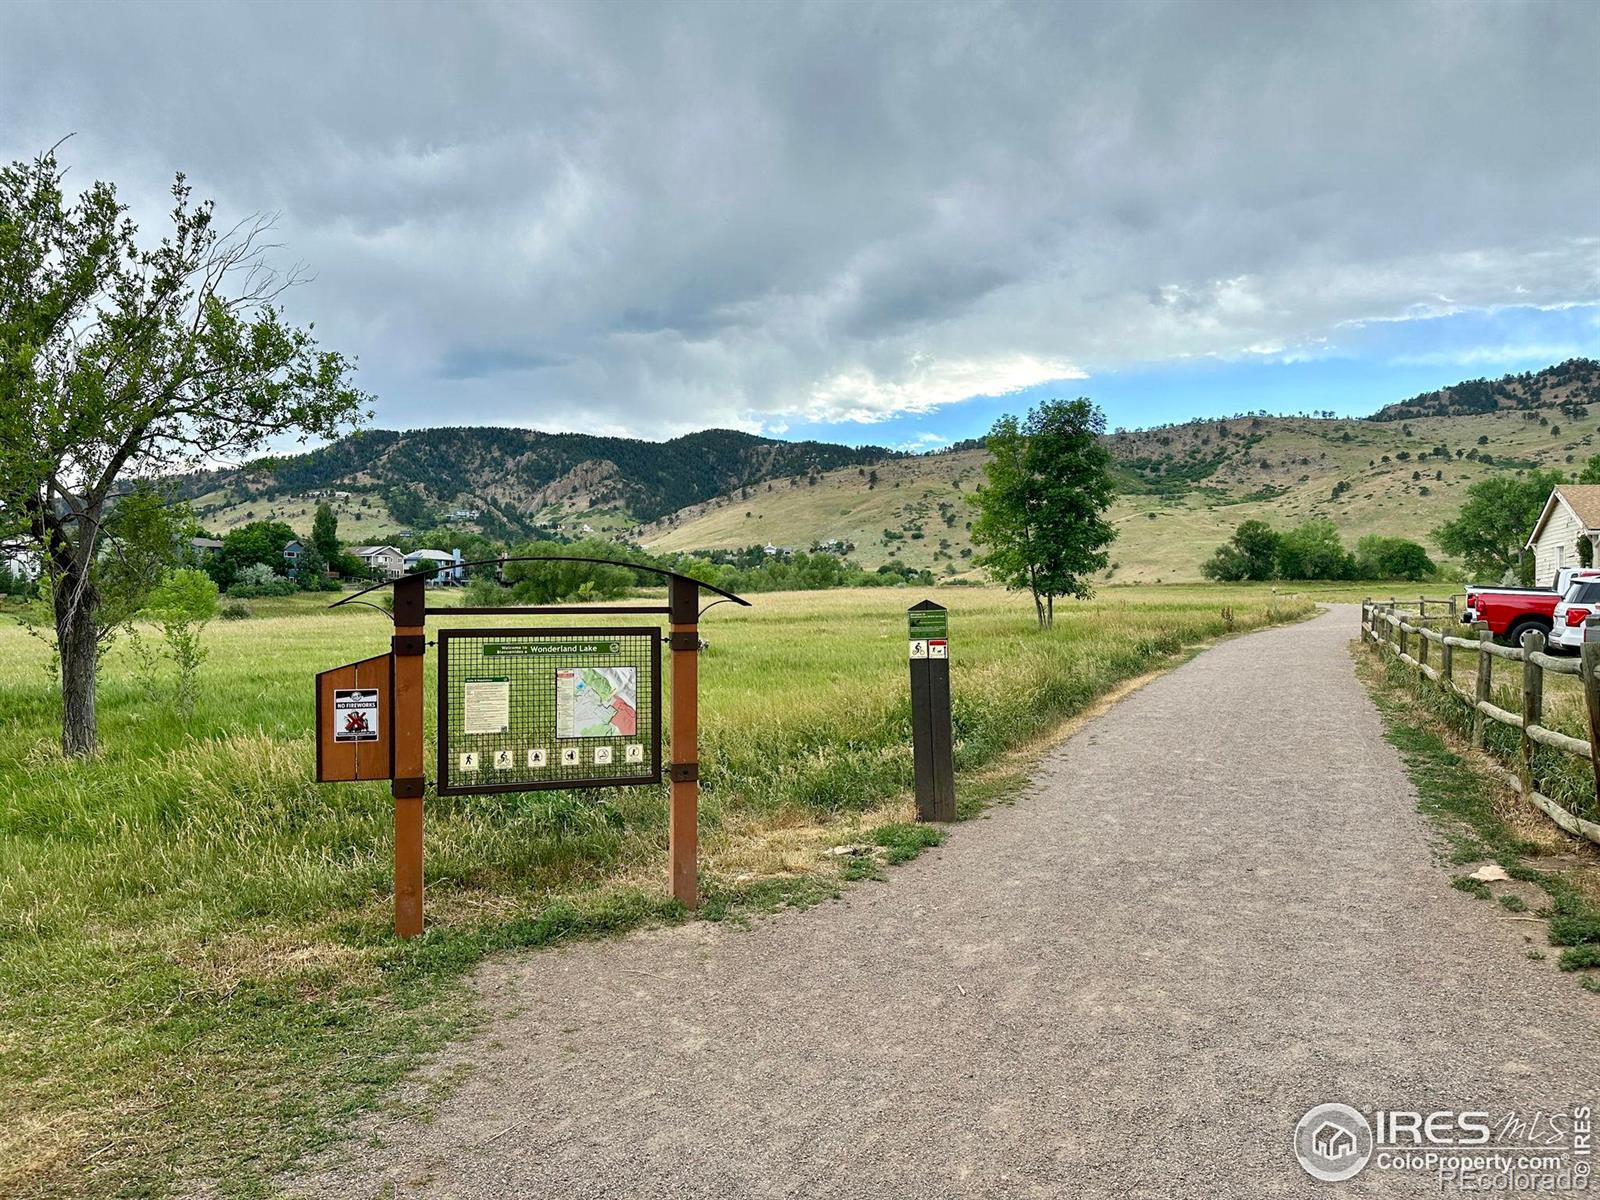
1183,487
511,480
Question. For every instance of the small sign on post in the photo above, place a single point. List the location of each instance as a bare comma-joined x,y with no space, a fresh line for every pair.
928,631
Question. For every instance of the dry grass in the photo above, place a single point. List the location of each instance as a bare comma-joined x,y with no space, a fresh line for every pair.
197,978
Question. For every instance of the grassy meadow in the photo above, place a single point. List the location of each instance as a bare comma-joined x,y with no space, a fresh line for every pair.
197,975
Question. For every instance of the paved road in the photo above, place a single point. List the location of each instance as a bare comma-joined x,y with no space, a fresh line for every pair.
1214,907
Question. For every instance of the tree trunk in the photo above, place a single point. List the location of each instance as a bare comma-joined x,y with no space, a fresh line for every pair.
80,659
1050,611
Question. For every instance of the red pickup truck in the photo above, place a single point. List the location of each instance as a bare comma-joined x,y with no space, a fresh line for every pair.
1512,611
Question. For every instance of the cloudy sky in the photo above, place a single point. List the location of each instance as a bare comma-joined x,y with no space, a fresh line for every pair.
871,222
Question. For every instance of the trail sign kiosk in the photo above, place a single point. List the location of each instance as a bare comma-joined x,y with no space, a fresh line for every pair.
928,634
521,709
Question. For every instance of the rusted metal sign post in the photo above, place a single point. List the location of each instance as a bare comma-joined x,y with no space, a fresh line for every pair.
933,759
533,709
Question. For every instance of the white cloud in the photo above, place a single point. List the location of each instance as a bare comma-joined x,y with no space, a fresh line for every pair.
1477,356
657,218
922,442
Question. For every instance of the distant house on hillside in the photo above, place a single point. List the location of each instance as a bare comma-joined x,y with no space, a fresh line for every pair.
1572,511
387,562
291,555
446,571
206,547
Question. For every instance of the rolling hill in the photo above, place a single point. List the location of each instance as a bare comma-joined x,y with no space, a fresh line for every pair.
503,482
1183,487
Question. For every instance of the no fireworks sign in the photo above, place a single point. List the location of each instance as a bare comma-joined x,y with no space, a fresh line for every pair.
355,714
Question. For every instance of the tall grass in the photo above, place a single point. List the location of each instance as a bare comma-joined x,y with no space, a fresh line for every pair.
196,974
1565,778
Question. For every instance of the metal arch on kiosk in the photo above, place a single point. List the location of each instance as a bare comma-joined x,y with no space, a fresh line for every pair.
404,706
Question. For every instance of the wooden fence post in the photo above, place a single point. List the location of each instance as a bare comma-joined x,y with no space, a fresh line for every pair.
1485,682
1422,658
1447,664
1532,701
1400,629
1590,675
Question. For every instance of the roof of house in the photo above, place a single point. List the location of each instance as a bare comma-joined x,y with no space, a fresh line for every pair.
206,543
430,555
1582,498
369,551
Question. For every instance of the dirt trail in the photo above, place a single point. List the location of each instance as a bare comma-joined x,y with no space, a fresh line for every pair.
1214,907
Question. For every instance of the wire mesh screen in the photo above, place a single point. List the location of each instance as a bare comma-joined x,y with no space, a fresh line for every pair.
529,709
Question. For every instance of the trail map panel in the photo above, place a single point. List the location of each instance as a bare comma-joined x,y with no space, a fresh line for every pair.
534,709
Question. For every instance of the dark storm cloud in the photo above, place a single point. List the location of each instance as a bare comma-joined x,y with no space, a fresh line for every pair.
653,217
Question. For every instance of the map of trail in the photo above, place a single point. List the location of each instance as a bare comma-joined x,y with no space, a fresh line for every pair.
596,702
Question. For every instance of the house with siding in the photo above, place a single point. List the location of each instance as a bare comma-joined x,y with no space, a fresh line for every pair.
446,572
388,562
1571,512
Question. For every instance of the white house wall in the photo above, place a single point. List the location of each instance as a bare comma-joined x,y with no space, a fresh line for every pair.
1557,546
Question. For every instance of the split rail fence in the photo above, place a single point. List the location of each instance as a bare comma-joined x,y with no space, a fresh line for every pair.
1408,637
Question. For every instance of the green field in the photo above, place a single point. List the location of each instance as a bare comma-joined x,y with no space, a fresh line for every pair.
197,978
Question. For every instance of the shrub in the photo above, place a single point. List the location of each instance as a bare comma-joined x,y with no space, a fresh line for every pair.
184,602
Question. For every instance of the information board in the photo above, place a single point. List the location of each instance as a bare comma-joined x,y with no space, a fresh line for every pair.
533,709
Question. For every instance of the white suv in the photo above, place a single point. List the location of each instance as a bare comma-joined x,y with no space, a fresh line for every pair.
1581,599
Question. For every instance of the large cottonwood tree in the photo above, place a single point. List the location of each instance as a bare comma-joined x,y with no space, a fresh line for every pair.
123,360
1041,511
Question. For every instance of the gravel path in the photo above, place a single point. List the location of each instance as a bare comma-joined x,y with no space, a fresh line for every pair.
1214,907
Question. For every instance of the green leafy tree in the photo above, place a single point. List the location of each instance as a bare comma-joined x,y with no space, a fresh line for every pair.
1591,470
258,543
1251,553
311,570
1041,512
1312,550
1492,528
559,578
139,541
1379,557
120,361
325,533
184,603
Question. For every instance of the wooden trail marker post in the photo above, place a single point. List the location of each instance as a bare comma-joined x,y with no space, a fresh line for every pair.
410,644
683,823
932,752
517,715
